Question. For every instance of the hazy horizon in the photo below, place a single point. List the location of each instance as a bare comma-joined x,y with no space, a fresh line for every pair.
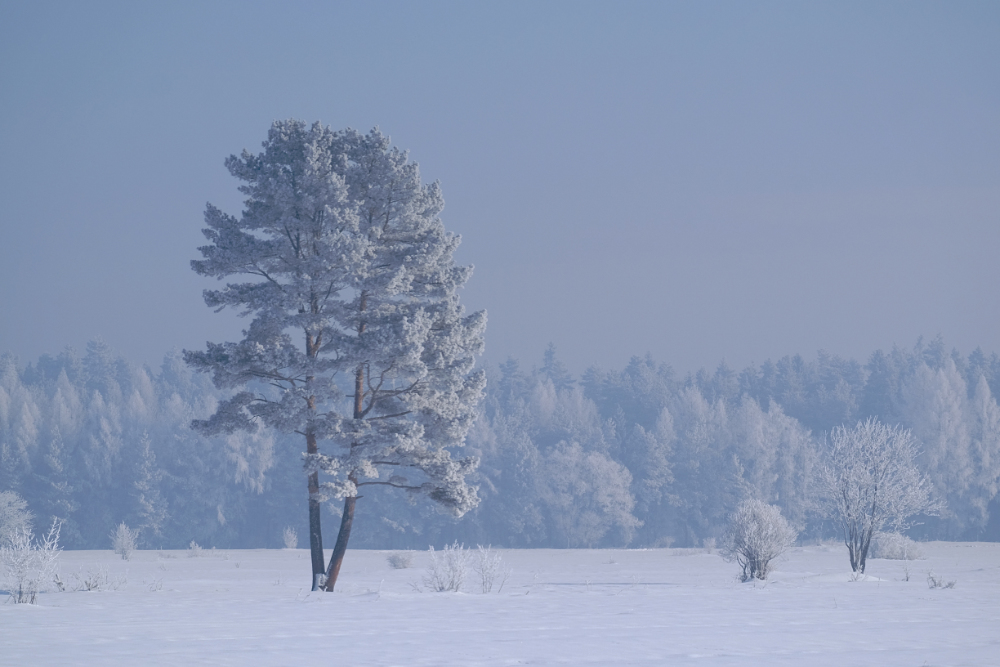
696,181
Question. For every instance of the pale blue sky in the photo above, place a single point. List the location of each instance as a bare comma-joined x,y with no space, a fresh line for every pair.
695,180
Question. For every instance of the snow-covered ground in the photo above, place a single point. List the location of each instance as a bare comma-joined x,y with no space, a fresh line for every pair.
571,607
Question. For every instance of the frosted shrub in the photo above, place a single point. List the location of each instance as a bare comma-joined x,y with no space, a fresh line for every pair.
448,567
939,582
895,546
489,565
290,537
756,535
28,566
194,550
99,580
123,540
400,560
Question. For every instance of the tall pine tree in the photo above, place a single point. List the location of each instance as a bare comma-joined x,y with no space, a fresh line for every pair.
357,338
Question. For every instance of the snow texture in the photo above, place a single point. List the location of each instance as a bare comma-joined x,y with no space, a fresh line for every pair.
571,607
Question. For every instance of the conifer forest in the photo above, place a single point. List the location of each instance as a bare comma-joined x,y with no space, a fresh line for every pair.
637,456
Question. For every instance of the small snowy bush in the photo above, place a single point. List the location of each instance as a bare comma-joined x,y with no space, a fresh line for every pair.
99,580
448,567
489,565
290,537
895,546
400,560
939,582
123,540
28,566
194,550
756,535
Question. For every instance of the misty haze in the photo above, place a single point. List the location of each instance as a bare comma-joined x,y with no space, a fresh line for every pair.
439,333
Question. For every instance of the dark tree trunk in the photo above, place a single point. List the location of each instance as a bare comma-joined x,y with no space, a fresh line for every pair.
852,551
347,520
865,545
857,548
315,531
340,548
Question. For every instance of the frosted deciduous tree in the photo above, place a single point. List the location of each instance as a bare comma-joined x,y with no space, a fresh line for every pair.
707,475
14,516
357,335
647,455
151,509
985,450
21,441
870,481
937,409
958,427
776,455
510,477
587,495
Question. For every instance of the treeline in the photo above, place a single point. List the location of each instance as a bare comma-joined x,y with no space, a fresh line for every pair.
94,441
638,456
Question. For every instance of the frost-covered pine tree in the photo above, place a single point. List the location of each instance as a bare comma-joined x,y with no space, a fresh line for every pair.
357,338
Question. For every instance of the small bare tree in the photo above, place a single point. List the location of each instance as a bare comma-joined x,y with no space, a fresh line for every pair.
870,481
28,565
123,540
756,535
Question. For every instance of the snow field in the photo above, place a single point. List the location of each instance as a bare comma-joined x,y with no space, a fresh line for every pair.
559,607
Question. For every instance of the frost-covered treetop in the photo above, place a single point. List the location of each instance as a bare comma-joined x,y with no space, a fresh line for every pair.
346,270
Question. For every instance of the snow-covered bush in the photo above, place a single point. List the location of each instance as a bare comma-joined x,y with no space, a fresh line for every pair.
14,516
290,537
756,535
28,565
194,550
123,540
447,569
489,565
400,560
99,580
939,582
895,546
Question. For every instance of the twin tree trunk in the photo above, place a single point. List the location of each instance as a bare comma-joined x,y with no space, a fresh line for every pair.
315,532
857,548
347,519
337,558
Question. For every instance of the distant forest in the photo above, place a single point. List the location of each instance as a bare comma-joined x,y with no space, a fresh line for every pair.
634,457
